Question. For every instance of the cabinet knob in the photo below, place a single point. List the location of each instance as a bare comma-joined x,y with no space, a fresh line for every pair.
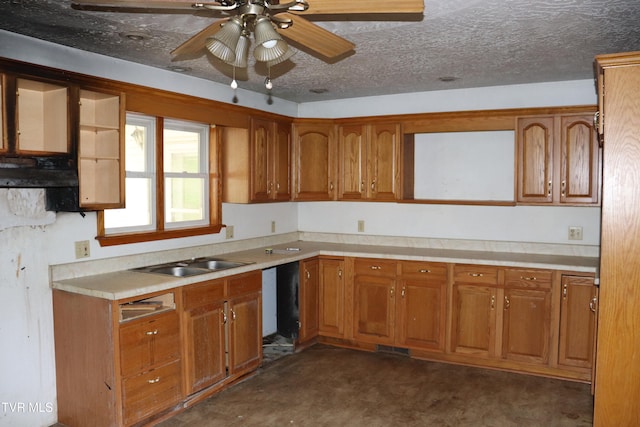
233,315
339,273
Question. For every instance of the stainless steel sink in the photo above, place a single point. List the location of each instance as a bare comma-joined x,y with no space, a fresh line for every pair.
192,267
177,271
216,264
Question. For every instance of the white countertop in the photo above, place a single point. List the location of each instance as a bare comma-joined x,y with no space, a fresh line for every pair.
125,284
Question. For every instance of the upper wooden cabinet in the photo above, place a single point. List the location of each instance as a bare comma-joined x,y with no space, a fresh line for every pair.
558,160
314,161
42,117
369,162
256,163
101,150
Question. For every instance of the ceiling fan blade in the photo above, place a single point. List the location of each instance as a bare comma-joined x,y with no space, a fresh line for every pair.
314,37
333,7
140,4
197,42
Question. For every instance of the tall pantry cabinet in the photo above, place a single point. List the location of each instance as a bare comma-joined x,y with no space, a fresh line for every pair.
617,381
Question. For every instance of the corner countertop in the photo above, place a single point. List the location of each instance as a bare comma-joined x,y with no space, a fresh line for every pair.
127,284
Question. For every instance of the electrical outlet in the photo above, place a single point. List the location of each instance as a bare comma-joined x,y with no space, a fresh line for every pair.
273,226
229,231
575,233
82,249
361,226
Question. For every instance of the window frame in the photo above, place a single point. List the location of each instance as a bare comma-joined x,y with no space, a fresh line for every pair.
161,232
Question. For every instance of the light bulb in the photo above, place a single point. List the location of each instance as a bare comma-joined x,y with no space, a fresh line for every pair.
268,84
234,84
270,43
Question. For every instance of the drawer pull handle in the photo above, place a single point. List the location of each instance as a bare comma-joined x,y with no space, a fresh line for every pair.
376,267
493,302
424,270
507,303
593,304
528,278
154,332
565,291
476,274
155,380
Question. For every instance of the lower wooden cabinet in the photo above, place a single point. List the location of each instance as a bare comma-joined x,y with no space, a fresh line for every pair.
223,329
400,304
133,361
308,301
502,314
578,313
331,297
422,305
374,301
474,310
526,326
204,337
244,313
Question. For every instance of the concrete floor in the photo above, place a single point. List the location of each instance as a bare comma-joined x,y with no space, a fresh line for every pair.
327,386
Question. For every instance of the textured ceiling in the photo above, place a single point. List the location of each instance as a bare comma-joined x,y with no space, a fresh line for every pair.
477,42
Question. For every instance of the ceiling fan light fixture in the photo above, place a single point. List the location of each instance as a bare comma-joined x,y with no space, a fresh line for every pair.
242,51
269,44
224,43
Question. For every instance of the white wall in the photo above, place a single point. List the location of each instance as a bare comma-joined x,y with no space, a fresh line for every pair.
529,224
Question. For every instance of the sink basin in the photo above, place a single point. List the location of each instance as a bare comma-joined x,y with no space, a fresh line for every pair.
216,264
192,267
177,271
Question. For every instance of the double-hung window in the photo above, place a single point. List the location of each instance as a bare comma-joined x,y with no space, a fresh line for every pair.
168,182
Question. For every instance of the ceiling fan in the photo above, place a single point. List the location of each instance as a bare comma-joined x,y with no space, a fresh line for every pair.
270,21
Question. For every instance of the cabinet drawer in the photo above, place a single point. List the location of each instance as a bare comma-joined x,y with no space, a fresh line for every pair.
375,267
244,284
203,293
476,274
149,342
146,394
423,270
529,279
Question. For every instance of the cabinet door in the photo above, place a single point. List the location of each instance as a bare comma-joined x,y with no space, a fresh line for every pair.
309,272
422,314
383,152
314,152
281,162
205,350
526,325
535,159
244,316
331,298
473,328
374,309
577,322
580,160
351,162
148,342
261,159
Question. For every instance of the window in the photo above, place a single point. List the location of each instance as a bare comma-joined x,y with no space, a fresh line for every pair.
168,182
